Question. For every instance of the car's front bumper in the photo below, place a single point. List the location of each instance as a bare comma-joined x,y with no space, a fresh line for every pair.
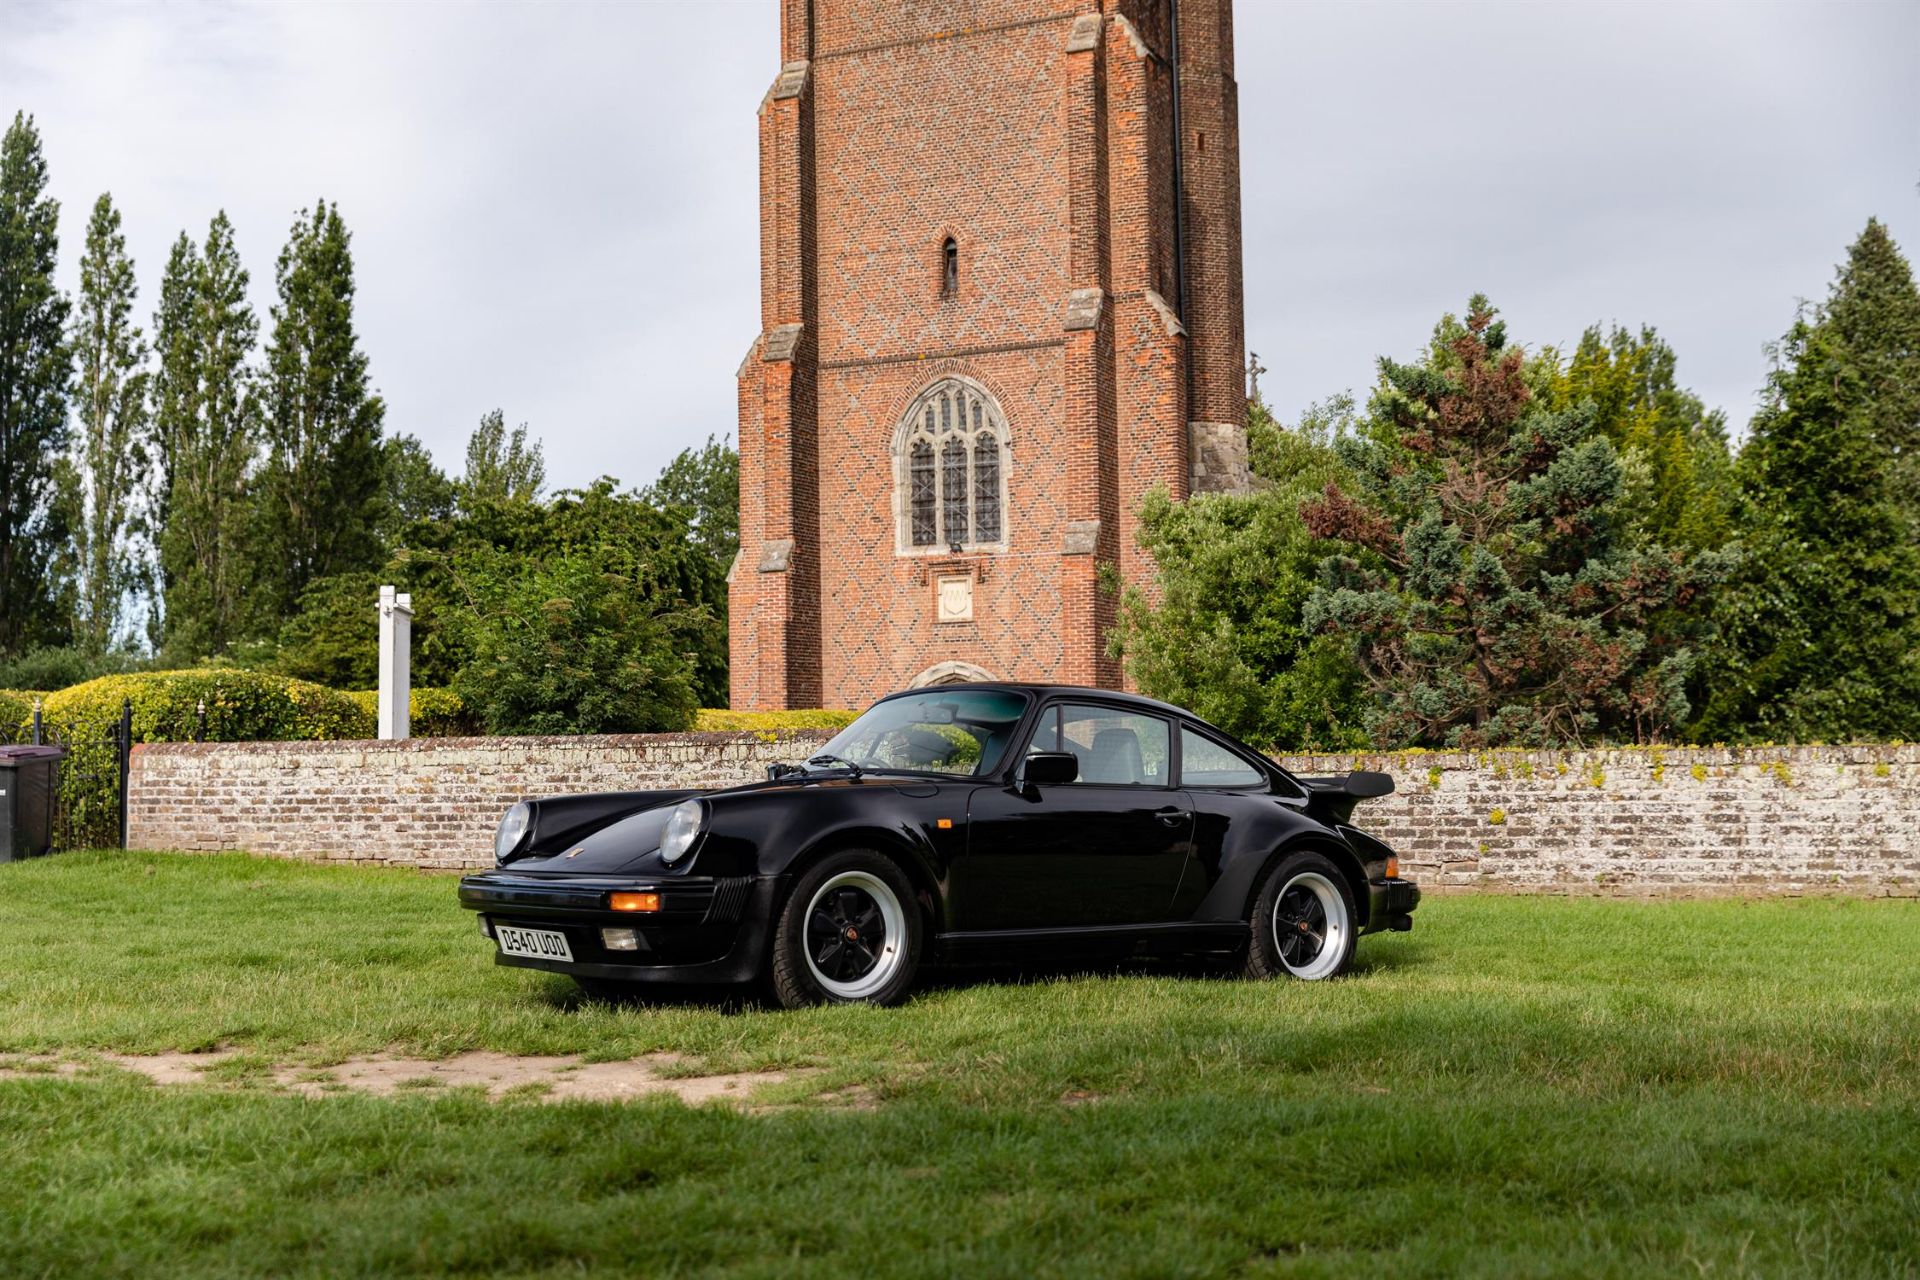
1390,905
709,929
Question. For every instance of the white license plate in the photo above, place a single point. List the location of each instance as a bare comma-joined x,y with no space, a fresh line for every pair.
535,944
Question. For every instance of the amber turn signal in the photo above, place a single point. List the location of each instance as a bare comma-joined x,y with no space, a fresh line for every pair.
945,824
635,902
1393,867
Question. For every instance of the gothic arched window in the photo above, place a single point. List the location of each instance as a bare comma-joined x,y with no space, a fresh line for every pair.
950,470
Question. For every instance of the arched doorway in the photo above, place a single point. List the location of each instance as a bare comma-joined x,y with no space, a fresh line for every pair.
951,673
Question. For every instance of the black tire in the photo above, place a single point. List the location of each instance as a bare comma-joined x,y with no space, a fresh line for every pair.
848,933
1303,923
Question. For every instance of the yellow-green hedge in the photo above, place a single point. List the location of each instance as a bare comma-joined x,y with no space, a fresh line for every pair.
715,720
242,706
431,713
16,708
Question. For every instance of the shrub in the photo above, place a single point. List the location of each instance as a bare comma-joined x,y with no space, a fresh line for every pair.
16,708
57,668
719,720
242,706
431,713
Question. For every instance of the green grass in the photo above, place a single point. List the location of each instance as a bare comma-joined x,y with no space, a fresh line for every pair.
1520,1087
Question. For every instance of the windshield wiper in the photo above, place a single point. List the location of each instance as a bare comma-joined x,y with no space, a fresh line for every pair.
827,758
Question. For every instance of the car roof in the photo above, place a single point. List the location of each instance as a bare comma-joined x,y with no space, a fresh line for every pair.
1034,687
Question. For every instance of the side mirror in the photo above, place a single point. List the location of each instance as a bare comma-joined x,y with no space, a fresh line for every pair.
1049,768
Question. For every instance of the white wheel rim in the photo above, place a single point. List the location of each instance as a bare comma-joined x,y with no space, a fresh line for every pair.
1310,925
839,912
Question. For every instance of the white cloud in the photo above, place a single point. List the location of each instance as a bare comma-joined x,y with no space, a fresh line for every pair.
555,207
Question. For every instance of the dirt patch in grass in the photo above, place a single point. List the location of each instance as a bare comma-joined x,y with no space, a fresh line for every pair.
550,1079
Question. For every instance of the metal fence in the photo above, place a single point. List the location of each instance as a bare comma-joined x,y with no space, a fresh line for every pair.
90,811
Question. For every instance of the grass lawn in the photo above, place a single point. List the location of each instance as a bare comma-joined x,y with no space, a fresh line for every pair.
1519,1087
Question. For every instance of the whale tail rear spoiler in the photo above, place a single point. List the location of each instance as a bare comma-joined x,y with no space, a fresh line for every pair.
1336,795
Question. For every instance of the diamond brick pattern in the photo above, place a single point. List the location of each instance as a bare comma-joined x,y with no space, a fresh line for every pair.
1051,163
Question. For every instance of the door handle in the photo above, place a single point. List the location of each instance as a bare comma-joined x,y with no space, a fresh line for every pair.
1172,817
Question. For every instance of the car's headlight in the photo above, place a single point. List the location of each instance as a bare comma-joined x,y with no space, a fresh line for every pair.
513,830
683,824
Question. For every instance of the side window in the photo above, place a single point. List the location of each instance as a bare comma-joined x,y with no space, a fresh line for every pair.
1116,748
1205,763
1046,734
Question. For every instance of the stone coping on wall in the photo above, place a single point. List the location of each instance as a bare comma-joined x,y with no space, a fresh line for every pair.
1638,820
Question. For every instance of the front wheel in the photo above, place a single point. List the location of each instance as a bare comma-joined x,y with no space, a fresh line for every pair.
849,933
1302,921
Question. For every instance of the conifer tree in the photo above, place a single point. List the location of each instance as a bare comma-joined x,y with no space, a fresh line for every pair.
34,377
206,434
1489,590
1824,624
110,457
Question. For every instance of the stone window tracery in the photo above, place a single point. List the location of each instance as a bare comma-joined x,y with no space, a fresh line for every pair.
950,479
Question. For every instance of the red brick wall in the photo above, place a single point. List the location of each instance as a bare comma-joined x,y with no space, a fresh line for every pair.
1038,135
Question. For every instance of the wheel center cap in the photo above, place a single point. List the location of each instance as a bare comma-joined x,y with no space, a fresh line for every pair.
853,935
1302,927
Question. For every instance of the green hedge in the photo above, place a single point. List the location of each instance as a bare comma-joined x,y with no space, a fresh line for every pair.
431,713
242,706
716,720
16,708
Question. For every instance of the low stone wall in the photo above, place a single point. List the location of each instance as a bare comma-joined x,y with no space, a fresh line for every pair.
1770,820
427,802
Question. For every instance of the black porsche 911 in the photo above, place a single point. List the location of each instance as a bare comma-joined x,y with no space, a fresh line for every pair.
959,823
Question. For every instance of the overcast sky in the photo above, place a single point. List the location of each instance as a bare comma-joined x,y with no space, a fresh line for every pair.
554,207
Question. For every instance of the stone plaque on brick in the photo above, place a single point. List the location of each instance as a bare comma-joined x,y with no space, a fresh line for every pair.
953,597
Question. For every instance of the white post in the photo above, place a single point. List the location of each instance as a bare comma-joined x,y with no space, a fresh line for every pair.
396,661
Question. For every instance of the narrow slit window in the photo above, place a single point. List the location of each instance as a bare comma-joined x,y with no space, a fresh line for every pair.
949,268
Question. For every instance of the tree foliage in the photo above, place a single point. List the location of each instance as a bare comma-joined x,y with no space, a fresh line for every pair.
706,483
1824,624
205,430
34,378
1221,629
111,453
1490,590
502,466
322,479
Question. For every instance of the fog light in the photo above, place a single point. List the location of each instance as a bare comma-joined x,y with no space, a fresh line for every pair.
486,927
620,939
634,902
1393,867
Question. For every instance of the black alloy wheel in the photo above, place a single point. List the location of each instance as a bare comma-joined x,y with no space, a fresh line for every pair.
1303,923
848,933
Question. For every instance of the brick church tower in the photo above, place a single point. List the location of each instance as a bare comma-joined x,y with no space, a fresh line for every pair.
1000,301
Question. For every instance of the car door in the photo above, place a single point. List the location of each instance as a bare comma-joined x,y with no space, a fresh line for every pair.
1107,849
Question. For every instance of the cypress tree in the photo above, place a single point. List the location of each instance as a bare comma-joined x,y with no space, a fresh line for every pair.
206,431
111,455
1824,626
319,506
34,376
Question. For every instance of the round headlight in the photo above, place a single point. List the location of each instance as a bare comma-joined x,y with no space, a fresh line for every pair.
513,829
683,824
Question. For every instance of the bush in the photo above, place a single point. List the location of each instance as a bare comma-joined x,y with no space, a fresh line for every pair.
16,708
431,713
242,706
57,668
719,720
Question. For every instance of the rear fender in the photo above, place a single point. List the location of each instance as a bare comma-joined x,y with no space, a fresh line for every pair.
1335,852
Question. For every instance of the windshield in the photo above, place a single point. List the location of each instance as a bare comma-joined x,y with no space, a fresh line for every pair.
963,732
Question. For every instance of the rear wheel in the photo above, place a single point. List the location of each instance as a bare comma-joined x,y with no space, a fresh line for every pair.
849,933
1303,921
